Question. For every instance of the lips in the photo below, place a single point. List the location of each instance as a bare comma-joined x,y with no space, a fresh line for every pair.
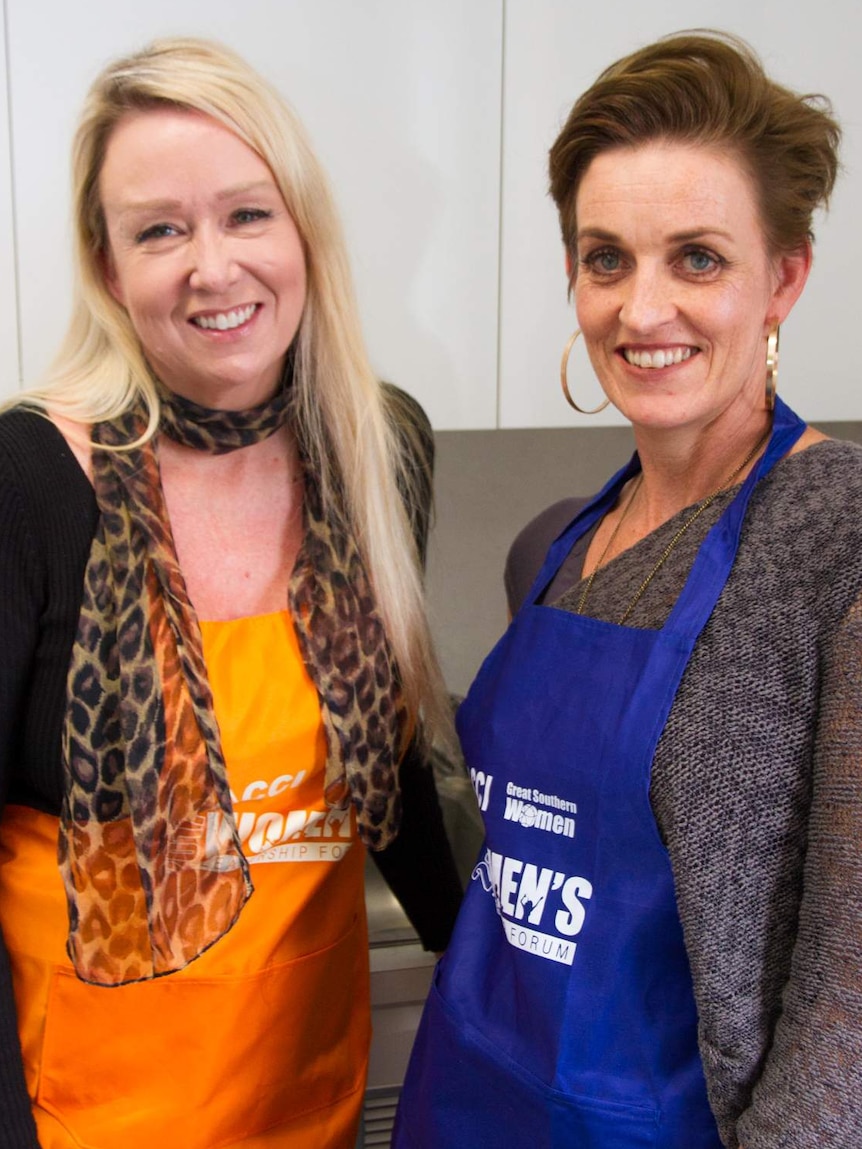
657,357
225,320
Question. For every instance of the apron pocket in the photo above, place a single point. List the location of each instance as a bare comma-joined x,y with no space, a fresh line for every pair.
494,1102
205,1062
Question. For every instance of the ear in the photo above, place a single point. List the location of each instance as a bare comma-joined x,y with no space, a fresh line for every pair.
791,272
109,274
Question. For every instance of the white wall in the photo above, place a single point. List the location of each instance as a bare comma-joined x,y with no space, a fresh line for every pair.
433,120
553,50
402,101
9,369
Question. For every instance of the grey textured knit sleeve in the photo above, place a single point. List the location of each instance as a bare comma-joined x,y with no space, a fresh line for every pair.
810,1093
743,794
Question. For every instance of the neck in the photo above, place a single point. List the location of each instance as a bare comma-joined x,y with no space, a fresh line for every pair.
684,467
218,431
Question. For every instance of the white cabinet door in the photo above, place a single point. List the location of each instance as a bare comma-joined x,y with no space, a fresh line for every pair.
554,50
402,102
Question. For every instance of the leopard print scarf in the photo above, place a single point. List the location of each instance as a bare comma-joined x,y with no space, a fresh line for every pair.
149,882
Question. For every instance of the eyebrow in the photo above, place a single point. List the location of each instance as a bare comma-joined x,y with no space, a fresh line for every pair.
172,204
678,237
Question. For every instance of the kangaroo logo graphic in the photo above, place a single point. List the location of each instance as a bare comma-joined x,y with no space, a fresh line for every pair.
482,873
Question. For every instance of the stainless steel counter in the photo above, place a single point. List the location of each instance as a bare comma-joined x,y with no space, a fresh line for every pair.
400,976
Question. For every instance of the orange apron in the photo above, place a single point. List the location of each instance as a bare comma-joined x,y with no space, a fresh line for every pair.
262,1042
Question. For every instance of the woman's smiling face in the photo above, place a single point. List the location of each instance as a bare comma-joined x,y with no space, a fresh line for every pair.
674,287
203,254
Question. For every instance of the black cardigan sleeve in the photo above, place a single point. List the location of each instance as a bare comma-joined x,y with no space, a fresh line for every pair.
21,604
419,866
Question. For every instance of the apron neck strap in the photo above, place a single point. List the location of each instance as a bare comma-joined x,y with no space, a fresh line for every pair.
714,560
787,427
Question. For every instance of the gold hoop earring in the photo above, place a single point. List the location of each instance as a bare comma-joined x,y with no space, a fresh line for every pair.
772,366
564,369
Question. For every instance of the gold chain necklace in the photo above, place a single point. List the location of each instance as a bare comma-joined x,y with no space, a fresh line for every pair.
585,592
693,517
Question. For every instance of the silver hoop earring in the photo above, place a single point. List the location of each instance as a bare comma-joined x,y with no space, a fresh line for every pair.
772,366
564,369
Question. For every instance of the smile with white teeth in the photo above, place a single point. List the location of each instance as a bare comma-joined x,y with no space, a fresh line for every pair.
657,358
225,320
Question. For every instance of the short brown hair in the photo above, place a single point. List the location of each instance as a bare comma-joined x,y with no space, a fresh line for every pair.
706,87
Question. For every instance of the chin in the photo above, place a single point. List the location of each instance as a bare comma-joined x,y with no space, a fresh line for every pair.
654,414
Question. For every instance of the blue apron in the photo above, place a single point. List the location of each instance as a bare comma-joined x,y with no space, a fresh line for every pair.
563,1012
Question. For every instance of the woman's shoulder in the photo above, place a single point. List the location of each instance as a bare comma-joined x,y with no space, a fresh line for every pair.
20,423
40,471
830,452
410,423
404,407
528,550
825,479
804,526
27,437
415,464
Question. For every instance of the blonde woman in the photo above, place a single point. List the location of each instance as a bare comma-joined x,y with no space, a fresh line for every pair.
215,654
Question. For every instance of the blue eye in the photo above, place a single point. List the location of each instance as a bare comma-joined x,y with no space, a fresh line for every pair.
605,261
251,215
700,261
156,231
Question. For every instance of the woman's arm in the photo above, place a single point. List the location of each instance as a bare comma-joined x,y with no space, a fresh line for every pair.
418,866
17,1127
527,554
47,518
743,789
415,439
810,1092
19,616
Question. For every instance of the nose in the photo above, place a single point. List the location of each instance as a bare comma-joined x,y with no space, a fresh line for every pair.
214,267
648,301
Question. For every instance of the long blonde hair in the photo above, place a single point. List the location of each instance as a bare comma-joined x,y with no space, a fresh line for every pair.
341,420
